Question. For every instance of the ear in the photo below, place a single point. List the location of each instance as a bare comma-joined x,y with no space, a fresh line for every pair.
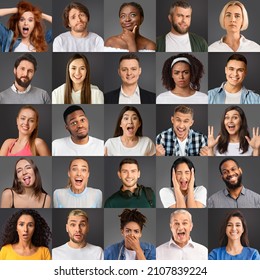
191,227
192,122
119,174
170,18
240,170
15,71
140,71
172,119
67,228
139,174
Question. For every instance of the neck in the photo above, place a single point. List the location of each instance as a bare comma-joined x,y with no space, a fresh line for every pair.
131,189
234,247
232,89
234,138
129,89
19,88
234,193
79,34
173,31
75,190
77,87
184,92
23,139
80,141
77,245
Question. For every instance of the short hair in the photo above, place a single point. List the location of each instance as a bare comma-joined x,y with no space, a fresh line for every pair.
77,212
74,5
244,14
183,109
225,160
129,56
133,4
70,110
133,215
238,57
182,4
180,211
128,161
28,57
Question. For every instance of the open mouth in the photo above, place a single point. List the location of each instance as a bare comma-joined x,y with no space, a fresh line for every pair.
25,30
181,234
78,181
27,180
130,128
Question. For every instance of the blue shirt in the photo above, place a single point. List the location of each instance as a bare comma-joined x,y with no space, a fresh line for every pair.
218,96
117,251
246,254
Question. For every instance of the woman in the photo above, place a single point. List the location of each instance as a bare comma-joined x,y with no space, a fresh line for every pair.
234,240
131,225
128,137
181,75
26,237
183,192
27,190
77,89
27,143
25,32
233,18
77,193
131,16
234,138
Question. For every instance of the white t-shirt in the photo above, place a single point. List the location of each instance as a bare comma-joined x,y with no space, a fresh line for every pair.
97,96
177,43
182,145
65,42
170,98
233,150
144,147
66,198
130,254
24,48
233,98
245,46
168,198
89,252
66,147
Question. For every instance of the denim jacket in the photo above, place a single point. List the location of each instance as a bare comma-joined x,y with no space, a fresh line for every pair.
218,96
6,37
117,251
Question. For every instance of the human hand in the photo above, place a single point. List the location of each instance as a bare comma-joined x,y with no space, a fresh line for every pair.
192,180
204,151
254,142
131,242
176,185
160,151
212,142
130,38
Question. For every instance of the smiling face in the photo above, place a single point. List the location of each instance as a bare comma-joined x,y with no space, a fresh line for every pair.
234,229
26,24
25,173
181,75
232,122
78,21
181,124
26,121
24,74
77,72
233,19
129,175
25,228
129,71
78,174
130,17
183,176
231,174
180,19
130,123
235,73
181,227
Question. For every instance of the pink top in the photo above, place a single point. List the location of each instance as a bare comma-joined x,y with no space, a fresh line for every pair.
26,151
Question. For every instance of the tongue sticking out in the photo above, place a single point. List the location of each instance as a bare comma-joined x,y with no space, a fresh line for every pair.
27,181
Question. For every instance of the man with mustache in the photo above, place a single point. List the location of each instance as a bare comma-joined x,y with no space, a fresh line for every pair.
22,92
235,195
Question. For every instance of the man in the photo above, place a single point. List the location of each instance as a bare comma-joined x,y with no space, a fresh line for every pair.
232,91
22,92
180,140
235,195
179,39
181,246
131,194
76,18
77,248
79,143
129,71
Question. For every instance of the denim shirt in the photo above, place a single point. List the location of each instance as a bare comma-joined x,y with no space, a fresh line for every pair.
6,37
218,96
117,251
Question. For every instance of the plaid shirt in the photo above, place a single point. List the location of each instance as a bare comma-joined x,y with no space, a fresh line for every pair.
195,142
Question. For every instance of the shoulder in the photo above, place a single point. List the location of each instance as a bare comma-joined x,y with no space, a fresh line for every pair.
63,36
96,141
110,42
94,191
166,191
9,141
59,89
149,44
216,46
60,141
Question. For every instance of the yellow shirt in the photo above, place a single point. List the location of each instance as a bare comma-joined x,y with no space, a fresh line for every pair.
7,253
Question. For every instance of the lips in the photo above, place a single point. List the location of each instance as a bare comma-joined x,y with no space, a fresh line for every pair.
78,181
27,180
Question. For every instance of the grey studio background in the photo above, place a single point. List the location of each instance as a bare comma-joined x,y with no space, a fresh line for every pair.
199,17
96,11
215,113
94,113
163,173
216,70
7,213
198,234
96,226
165,112
216,218
7,170
41,78
162,57
112,24
146,80
113,183
112,233
96,64
61,167
44,5
215,32
250,176
9,114
146,111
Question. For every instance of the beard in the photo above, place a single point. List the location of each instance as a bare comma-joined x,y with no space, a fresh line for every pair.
178,29
24,84
233,186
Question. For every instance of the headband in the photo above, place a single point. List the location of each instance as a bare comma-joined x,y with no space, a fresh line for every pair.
178,59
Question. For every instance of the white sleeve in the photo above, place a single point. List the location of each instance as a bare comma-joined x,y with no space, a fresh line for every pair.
167,197
200,195
57,45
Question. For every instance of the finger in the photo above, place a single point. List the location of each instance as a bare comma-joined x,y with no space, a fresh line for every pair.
257,131
253,132
134,29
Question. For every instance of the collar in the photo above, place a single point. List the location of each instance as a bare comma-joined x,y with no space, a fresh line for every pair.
242,38
243,190
174,244
13,87
136,92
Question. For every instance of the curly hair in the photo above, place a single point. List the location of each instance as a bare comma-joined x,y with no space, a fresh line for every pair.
223,142
196,71
37,37
134,215
42,233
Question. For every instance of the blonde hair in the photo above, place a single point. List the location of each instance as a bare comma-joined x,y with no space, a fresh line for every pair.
244,14
78,212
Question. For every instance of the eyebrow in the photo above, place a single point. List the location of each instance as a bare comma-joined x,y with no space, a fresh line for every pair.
76,165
